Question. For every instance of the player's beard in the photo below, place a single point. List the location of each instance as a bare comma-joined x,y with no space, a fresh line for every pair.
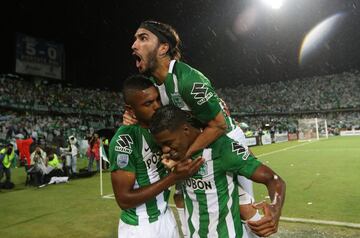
153,63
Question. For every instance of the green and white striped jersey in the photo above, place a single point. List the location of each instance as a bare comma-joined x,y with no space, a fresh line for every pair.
211,195
133,149
189,90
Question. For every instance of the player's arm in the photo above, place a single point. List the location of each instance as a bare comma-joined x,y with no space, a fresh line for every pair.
127,197
237,159
276,187
214,129
199,95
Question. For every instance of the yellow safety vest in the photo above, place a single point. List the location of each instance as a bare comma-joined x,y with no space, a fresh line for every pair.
8,158
54,162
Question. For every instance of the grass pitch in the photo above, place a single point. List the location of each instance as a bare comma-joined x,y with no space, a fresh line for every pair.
322,183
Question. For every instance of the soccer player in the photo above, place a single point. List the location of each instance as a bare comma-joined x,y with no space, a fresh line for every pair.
140,182
157,53
211,196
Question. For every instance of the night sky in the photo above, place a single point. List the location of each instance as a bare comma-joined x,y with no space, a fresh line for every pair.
231,41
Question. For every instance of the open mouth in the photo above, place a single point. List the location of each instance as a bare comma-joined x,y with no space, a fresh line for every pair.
137,59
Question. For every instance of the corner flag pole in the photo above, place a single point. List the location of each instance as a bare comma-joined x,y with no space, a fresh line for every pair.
101,159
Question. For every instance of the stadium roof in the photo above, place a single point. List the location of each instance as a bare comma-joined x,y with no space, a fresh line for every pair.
230,41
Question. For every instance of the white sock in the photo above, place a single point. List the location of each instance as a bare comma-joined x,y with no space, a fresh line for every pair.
181,213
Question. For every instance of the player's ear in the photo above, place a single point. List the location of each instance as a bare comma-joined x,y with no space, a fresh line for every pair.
163,49
186,129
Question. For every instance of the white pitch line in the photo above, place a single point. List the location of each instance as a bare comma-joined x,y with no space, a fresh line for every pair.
321,222
312,221
290,219
110,196
285,149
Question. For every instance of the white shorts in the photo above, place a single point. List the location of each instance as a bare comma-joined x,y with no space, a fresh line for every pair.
164,227
244,197
238,135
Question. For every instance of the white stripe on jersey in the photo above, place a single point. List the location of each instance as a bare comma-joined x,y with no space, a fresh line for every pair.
229,219
195,214
140,210
153,175
163,96
171,66
176,91
176,86
211,196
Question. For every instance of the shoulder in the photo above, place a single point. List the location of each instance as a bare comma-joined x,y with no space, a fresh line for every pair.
187,72
126,139
125,131
224,145
190,78
219,146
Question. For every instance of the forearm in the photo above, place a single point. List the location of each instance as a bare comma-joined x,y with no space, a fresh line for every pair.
277,189
136,197
209,135
275,185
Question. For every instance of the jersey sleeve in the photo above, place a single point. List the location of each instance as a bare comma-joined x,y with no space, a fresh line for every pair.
238,159
122,151
199,95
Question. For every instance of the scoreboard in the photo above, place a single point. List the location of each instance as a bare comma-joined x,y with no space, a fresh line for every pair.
39,57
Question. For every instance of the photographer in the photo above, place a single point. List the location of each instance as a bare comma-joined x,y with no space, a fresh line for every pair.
38,156
38,165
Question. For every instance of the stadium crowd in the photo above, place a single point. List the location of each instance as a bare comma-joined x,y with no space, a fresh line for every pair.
49,97
50,113
309,94
54,109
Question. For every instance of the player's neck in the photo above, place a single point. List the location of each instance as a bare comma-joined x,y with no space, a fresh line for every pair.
162,70
144,125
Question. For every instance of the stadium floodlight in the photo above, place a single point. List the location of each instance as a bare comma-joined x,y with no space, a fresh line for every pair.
274,4
313,128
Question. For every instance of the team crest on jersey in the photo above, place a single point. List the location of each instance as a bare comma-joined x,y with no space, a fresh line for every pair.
124,144
122,160
203,170
239,149
200,92
177,100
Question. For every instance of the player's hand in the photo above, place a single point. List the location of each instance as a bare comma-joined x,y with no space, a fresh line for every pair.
169,158
129,119
167,162
268,224
186,168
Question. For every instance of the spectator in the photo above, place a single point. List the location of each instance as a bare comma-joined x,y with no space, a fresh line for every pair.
93,152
